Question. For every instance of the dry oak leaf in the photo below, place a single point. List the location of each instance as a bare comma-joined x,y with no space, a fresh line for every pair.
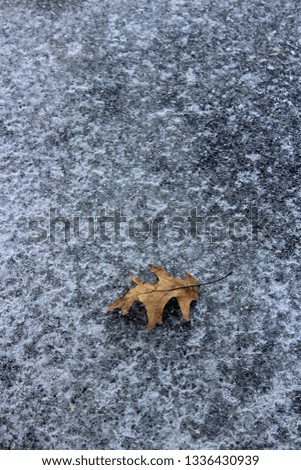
156,295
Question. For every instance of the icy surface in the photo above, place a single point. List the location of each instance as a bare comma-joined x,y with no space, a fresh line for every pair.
154,108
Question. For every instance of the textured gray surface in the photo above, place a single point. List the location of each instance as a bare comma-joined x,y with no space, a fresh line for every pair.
154,108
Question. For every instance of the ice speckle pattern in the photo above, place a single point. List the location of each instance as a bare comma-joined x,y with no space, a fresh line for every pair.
179,116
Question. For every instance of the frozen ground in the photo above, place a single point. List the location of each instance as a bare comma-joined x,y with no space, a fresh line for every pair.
156,109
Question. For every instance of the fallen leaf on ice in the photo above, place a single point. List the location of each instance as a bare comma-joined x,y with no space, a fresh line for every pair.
156,295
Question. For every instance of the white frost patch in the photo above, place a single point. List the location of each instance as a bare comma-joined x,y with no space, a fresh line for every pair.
191,77
74,48
251,79
253,156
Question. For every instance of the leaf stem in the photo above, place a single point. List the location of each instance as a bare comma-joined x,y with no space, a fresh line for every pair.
186,287
203,283
216,280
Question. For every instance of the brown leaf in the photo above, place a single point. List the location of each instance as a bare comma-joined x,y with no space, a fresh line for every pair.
156,295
